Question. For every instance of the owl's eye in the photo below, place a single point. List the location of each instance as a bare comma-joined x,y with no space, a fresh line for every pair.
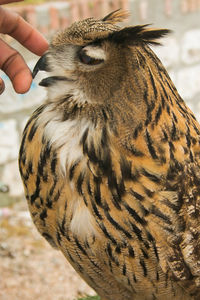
88,60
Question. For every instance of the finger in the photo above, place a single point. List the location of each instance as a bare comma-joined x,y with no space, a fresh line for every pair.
12,63
14,25
9,1
2,86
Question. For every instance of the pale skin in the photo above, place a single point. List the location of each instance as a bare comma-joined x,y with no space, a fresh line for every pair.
11,61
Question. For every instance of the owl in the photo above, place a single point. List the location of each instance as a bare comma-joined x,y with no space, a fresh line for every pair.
110,163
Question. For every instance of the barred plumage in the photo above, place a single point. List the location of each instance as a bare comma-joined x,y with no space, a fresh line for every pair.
110,164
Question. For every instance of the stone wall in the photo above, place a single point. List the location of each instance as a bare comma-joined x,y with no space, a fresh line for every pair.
180,53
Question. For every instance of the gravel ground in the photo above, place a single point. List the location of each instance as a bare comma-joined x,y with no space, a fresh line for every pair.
29,268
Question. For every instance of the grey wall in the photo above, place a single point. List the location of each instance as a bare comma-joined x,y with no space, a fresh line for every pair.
180,52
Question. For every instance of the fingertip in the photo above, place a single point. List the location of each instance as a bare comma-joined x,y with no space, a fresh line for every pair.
43,47
22,81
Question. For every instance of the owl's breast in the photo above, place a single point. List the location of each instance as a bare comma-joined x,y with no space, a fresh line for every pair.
53,165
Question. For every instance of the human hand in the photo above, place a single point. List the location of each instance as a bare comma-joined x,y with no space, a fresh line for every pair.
11,62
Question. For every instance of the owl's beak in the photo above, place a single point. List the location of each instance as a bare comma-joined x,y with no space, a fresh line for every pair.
41,65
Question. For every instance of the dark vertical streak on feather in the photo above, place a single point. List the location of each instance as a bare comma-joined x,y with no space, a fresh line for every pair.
35,195
117,226
97,191
153,84
158,114
97,213
53,163
135,215
150,145
72,169
142,263
107,234
32,132
157,212
136,195
80,247
137,231
131,252
79,183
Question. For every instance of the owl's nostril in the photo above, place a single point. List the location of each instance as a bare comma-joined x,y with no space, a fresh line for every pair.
41,65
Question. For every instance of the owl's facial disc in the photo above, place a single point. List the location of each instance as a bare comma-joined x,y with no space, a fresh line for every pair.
42,65
67,60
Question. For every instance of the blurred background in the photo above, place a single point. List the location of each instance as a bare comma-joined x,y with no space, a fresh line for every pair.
28,265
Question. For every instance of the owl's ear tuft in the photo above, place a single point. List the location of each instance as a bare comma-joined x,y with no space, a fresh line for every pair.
116,16
138,34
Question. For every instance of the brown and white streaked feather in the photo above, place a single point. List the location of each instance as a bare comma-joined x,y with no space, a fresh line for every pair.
110,164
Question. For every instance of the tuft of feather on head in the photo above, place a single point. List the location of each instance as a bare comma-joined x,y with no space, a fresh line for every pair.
116,16
90,30
138,34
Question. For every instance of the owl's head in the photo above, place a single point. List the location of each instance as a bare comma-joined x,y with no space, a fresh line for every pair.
91,59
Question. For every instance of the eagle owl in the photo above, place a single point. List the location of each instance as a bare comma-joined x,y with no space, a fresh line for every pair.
110,163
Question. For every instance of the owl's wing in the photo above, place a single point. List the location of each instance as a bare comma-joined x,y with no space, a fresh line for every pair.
176,225
183,242
149,215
